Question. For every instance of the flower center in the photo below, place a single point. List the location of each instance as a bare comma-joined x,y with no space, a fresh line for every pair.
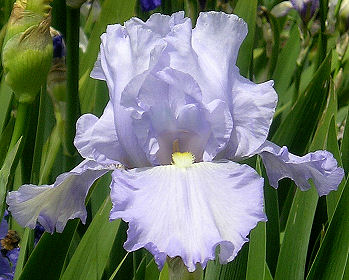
183,159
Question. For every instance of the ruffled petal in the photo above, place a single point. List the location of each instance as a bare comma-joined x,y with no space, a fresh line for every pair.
127,55
216,41
53,205
253,107
208,52
129,50
180,116
320,166
96,139
188,211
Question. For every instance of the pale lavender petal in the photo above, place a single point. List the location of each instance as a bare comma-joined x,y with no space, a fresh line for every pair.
127,55
53,205
207,53
180,116
127,51
216,41
320,166
187,212
158,124
253,107
149,57
96,139
211,122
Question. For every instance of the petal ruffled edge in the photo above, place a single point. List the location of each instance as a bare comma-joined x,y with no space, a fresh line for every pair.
53,205
320,166
96,138
253,106
188,212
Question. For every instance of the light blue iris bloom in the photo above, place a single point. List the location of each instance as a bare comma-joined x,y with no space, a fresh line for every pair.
180,117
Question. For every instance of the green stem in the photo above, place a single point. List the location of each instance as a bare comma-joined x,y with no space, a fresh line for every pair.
52,149
73,104
178,271
39,138
20,125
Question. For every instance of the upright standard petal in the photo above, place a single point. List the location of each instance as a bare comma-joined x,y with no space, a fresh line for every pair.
320,166
53,205
180,116
187,210
253,106
129,50
125,54
96,139
208,54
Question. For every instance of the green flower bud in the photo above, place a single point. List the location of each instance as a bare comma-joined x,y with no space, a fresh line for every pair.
27,48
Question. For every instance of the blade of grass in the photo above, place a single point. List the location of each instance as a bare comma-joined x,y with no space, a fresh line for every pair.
331,260
248,11
294,248
286,64
257,247
91,256
72,98
7,171
48,256
332,146
118,267
345,146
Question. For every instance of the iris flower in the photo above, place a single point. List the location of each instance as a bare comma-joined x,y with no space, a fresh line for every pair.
9,254
180,117
306,8
148,5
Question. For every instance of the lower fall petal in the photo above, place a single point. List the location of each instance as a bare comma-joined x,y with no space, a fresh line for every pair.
320,166
53,205
188,211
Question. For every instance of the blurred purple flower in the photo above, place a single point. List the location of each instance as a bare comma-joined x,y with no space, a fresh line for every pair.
148,5
58,46
306,8
38,231
8,258
180,117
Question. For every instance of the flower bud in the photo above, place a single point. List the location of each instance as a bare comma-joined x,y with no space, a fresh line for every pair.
56,79
148,5
306,8
27,48
281,9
